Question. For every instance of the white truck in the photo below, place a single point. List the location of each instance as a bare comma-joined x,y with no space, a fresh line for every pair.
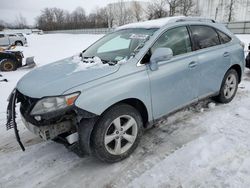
10,39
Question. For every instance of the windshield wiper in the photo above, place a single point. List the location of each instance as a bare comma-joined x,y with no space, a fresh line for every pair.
90,60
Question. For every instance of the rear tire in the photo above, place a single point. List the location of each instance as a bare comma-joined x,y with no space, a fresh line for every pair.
7,65
229,87
117,133
18,43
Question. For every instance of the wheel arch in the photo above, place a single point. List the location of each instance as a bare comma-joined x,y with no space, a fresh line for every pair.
18,41
138,105
87,134
238,70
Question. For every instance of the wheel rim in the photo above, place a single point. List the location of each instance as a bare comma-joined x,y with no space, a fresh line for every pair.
121,135
230,86
8,66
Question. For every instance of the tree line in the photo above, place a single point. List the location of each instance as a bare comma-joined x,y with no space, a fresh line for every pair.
19,23
114,14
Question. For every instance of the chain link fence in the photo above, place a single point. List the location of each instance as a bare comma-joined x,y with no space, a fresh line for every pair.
235,27
239,27
83,31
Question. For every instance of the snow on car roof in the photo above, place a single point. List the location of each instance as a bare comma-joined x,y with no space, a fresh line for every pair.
157,23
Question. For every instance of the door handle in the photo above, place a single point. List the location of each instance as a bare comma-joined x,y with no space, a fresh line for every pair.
226,54
192,64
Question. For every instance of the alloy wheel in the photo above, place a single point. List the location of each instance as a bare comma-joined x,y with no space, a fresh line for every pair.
230,86
121,135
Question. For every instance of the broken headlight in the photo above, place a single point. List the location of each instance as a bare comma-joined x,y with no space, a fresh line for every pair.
51,104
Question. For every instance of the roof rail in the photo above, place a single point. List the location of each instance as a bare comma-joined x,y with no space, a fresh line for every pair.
184,19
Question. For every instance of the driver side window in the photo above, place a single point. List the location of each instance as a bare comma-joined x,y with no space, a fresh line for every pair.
176,39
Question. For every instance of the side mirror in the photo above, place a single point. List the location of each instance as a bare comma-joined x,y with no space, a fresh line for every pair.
160,54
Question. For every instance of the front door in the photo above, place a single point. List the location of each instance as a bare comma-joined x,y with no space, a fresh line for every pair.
174,83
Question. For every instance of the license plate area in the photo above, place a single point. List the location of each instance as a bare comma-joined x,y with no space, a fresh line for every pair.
48,132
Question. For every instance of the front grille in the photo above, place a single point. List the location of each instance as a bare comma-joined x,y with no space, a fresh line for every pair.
27,104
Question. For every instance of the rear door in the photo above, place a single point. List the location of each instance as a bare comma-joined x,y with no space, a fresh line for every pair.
174,84
213,58
4,40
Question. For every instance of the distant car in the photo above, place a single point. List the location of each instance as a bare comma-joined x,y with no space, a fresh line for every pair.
248,58
12,39
101,100
37,31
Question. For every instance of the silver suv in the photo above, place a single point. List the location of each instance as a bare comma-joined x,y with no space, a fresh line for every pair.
101,100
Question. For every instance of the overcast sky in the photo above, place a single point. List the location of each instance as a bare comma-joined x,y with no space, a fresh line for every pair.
30,9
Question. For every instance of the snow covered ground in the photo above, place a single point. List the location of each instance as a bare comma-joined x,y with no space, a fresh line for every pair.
206,145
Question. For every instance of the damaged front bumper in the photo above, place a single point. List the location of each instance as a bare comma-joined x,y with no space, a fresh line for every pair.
45,131
11,117
48,132
60,124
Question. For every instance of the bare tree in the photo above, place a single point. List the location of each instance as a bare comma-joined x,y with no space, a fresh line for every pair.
2,25
173,6
20,22
186,7
230,10
59,18
78,17
156,9
101,18
110,15
120,12
137,10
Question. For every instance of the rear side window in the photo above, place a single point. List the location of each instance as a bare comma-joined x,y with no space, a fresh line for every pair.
224,38
204,36
177,39
1,36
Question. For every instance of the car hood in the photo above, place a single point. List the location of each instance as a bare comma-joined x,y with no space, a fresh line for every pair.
56,78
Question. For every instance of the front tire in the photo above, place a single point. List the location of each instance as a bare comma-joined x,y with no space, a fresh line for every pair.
18,43
8,65
229,87
117,133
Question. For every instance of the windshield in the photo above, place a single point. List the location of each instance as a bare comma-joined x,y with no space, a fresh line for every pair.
119,45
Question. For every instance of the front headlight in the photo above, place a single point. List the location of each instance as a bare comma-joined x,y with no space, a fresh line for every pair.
51,104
